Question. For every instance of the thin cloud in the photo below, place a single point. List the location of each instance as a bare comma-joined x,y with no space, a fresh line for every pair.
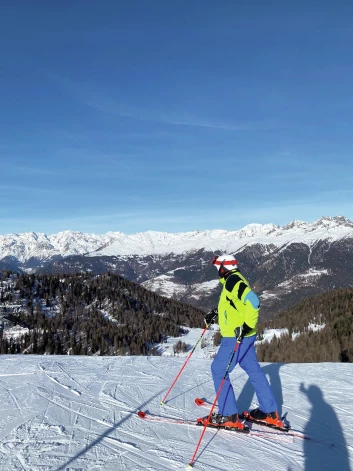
37,171
19,190
111,106
185,219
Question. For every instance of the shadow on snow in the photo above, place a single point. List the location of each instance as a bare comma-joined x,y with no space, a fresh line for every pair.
329,450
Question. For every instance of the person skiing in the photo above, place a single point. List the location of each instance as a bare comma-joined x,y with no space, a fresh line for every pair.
238,311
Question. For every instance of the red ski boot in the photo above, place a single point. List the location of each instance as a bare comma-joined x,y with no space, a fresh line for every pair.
229,422
270,419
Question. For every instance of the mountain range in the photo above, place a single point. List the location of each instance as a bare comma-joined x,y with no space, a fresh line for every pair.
283,264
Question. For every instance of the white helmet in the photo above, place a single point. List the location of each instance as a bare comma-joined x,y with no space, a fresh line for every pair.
224,263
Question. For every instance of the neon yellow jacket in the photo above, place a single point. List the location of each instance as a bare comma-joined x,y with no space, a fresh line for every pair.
234,307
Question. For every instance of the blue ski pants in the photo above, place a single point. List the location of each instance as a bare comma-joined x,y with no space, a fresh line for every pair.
247,359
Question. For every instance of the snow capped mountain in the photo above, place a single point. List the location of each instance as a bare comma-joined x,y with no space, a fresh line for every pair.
78,243
283,264
26,245
42,247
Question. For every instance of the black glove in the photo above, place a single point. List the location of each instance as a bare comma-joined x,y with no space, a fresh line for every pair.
242,330
210,317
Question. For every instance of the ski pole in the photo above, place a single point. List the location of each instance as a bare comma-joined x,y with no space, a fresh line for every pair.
214,402
192,351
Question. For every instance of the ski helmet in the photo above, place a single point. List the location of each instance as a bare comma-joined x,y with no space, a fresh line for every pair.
224,263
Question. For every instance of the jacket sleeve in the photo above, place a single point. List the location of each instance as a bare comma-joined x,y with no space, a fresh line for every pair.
254,300
252,306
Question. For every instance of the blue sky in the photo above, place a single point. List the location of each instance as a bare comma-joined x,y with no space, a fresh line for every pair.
174,115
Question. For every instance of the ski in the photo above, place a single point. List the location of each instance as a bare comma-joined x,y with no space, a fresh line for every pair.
280,425
158,418
145,415
287,430
203,421
246,416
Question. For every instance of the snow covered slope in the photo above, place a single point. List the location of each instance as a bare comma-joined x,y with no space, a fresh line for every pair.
80,413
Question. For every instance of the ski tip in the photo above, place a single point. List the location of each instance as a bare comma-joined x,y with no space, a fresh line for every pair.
190,466
162,403
141,414
199,402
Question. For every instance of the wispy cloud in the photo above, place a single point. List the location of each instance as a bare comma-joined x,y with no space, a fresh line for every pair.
183,218
20,190
39,171
109,105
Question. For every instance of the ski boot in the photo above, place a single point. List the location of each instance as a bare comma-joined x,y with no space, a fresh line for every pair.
270,419
229,422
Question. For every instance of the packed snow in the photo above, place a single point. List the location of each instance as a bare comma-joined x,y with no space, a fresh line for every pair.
65,413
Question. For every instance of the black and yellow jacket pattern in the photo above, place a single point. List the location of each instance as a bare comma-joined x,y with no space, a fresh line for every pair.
237,304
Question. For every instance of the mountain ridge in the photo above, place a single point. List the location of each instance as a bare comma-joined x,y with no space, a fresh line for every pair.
27,245
283,264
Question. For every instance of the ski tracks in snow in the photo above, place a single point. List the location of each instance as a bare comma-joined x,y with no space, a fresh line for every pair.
60,413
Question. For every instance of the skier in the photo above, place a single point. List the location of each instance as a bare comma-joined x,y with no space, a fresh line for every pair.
238,311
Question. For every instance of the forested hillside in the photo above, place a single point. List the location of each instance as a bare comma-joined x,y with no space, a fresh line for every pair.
319,329
88,314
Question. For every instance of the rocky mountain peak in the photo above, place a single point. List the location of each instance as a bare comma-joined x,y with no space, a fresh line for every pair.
333,222
295,224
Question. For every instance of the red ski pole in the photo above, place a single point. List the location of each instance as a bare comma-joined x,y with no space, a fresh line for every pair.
192,351
214,403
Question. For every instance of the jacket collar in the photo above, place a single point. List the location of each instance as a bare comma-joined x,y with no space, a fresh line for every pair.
224,278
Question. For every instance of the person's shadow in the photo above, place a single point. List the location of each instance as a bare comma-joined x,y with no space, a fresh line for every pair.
328,449
272,372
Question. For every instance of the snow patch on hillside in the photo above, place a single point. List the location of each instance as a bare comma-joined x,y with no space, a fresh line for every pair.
164,286
15,332
205,347
306,278
199,290
269,334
